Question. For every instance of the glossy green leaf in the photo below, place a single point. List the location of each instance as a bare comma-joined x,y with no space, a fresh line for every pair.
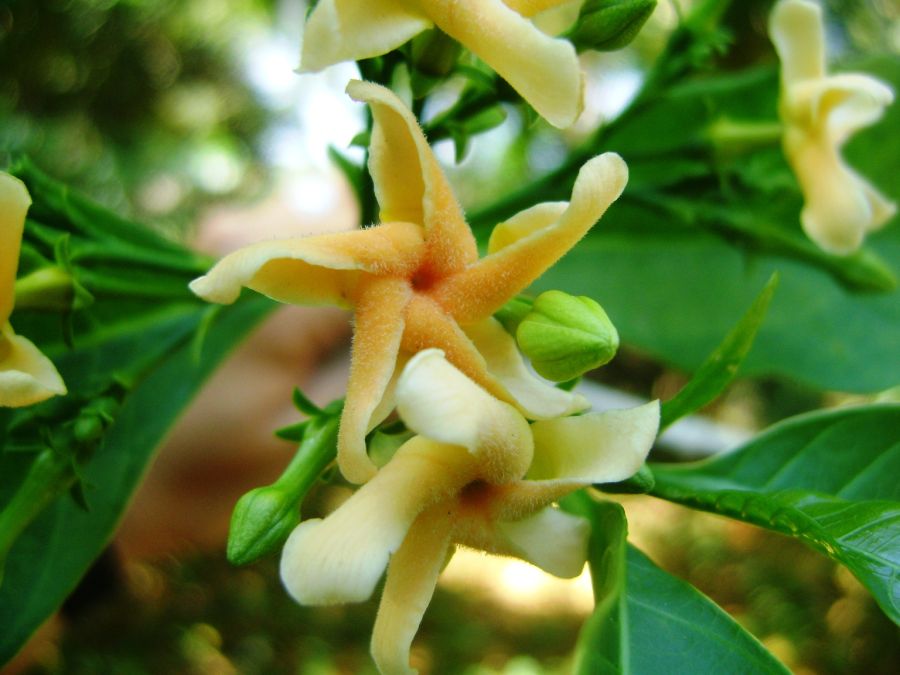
647,621
721,367
828,479
51,556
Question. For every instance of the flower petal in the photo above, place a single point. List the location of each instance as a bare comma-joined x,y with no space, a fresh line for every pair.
532,7
378,330
341,558
550,539
14,203
436,400
544,70
486,285
26,375
349,30
797,30
601,447
536,398
410,184
411,579
312,270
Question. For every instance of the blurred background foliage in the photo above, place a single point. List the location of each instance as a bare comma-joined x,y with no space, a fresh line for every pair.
161,109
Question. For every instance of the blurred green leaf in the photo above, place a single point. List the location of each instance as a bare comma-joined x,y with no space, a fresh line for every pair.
828,479
58,548
722,366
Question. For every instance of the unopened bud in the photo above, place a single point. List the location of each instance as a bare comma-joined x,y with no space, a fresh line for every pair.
262,519
565,336
434,52
607,25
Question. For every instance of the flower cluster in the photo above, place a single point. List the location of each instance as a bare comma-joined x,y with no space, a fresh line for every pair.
26,375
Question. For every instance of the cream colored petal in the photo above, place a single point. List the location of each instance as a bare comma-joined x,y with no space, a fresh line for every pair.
544,70
525,223
26,375
550,539
601,447
535,397
411,579
313,270
341,558
377,333
410,184
349,30
798,33
14,203
839,205
531,7
486,285
839,105
436,400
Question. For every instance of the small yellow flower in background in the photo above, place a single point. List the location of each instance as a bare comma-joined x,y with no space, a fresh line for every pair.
26,375
415,281
544,70
820,112
476,475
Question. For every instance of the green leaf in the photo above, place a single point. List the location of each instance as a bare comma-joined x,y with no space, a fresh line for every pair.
647,621
58,548
828,479
674,628
722,366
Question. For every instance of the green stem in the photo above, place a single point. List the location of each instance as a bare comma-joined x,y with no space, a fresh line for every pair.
47,288
317,450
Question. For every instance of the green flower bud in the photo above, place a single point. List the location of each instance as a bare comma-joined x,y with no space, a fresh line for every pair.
565,336
434,52
607,25
262,519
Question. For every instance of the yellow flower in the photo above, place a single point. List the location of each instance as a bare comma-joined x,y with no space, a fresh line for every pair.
544,70
820,112
476,475
415,281
26,375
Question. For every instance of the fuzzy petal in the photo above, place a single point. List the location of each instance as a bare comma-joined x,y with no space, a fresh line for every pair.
14,203
410,184
411,579
26,375
797,30
341,558
487,284
378,330
544,70
536,398
349,30
550,539
436,400
601,447
531,7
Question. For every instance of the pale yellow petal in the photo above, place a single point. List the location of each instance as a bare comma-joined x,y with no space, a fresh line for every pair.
544,70
798,33
410,184
535,397
341,558
531,7
322,269
602,447
524,223
550,539
377,332
26,375
411,579
349,30
436,400
14,203
486,285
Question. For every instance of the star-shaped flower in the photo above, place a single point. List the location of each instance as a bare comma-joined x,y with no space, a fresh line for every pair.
26,375
820,112
415,281
477,474
544,70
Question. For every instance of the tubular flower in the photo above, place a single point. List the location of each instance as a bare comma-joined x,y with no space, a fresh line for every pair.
544,70
26,375
820,112
476,475
415,281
